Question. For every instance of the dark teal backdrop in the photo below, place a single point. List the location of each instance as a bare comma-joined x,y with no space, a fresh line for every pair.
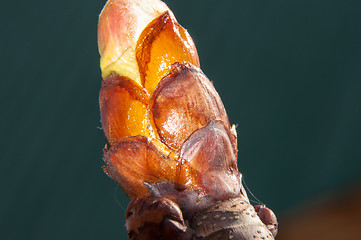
288,72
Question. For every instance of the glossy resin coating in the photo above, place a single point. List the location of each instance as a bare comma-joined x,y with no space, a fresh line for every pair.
170,144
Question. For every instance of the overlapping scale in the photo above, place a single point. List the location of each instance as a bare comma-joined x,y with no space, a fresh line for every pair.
162,43
184,101
123,107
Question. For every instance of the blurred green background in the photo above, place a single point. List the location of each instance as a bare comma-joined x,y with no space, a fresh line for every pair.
288,72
